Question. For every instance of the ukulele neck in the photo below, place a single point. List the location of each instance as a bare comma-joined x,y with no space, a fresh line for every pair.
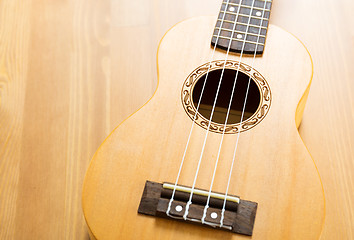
242,25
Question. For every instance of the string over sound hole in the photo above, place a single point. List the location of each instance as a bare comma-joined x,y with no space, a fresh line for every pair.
258,102
225,94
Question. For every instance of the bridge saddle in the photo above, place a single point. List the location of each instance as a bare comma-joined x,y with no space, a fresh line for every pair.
239,215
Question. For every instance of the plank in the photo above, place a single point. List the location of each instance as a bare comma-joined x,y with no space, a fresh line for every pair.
64,67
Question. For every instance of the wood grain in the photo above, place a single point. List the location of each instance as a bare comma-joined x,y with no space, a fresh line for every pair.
14,45
326,127
69,75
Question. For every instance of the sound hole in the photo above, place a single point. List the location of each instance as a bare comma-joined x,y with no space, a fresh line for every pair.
222,103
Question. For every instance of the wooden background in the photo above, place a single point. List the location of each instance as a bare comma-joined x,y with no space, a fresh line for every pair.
71,70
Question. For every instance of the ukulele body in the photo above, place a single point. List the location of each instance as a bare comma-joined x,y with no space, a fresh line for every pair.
272,165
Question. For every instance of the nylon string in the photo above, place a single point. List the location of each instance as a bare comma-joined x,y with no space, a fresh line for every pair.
195,115
243,110
213,108
227,115
228,111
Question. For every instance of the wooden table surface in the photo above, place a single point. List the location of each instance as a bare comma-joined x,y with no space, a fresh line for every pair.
70,71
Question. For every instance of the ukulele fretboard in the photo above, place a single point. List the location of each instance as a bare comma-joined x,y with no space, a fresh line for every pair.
244,23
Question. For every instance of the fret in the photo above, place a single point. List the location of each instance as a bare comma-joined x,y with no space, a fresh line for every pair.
239,40
257,3
244,15
239,36
246,6
241,23
240,32
243,18
247,11
242,26
245,24
261,4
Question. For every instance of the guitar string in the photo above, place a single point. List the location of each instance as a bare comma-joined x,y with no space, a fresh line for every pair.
228,112
242,115
195,115
211,114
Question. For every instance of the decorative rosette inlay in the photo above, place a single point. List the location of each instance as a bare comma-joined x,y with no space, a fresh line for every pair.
250,122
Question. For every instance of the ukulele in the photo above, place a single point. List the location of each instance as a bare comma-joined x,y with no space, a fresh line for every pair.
215,153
